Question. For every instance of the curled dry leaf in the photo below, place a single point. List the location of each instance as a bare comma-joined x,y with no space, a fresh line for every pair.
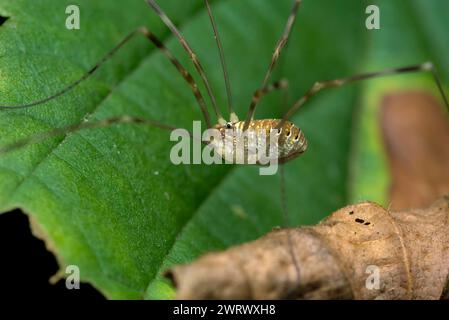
409,248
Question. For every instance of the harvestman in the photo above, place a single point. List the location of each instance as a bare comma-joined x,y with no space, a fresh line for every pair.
291,141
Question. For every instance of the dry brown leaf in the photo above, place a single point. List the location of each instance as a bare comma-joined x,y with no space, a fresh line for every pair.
409,248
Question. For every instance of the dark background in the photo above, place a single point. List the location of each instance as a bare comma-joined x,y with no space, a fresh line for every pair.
26,266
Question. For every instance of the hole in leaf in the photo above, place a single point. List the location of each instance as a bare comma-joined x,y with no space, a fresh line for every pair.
3,19
27,265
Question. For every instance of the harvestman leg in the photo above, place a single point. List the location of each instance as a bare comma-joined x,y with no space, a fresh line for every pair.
158,43
83,126
192,56
319,86
275,58
286,221
232,115
260,93
285,211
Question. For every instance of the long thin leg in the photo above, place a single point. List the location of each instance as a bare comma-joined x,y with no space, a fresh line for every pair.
192,55
77,82
276,55
233,115
183,71
286,222
83,126
319,86
150,36
260,93
285,211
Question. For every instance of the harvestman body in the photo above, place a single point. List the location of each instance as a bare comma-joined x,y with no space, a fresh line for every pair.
291,141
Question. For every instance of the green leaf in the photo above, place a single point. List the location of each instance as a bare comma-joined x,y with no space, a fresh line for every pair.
111,202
